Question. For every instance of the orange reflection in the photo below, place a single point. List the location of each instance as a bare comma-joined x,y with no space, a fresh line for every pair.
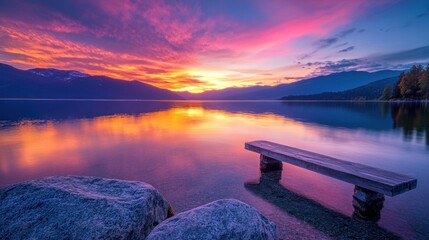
179,139
37,145
65,143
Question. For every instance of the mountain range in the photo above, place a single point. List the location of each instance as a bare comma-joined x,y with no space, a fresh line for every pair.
330,83
61,84
52,83
370,91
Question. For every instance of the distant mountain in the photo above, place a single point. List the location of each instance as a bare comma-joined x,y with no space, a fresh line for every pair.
371,91
331,83
52,83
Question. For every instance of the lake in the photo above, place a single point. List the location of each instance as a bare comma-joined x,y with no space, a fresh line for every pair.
193,153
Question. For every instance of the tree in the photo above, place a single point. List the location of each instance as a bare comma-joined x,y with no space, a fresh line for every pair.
409,84
423,82
413,84
386,93
397,89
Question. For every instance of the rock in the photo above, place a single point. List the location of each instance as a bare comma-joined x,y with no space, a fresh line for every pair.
223,219
80,208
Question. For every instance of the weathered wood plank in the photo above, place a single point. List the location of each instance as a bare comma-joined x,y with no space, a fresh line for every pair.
378,180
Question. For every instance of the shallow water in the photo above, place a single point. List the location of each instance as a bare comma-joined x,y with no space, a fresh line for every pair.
193,153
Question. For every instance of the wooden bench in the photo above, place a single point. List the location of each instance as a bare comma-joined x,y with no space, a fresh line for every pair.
370,183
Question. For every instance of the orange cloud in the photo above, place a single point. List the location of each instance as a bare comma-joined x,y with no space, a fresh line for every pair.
180,46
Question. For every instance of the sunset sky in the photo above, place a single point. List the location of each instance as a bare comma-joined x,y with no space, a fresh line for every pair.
203,45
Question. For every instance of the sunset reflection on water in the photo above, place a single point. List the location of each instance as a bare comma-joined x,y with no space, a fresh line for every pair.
181,134
193,151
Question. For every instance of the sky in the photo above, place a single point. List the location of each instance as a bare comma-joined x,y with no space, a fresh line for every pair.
198,46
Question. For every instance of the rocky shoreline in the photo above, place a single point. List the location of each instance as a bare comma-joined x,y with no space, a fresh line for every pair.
77,207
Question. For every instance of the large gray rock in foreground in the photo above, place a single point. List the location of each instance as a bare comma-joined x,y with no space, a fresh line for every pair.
80,208
223,219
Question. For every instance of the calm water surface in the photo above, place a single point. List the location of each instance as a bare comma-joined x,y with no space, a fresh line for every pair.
193,151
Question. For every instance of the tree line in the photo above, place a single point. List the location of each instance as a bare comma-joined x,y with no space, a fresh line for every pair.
412,85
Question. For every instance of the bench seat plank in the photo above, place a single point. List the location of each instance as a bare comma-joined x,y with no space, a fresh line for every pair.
378,180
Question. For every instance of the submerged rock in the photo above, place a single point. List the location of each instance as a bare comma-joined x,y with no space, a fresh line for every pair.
223,219
80,208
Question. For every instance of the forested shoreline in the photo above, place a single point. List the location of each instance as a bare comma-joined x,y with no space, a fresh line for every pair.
412,85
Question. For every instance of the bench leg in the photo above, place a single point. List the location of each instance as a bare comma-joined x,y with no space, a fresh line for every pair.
268,164
367,204
271,169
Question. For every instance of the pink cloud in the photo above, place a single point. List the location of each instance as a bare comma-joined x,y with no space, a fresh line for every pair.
163,42
314,18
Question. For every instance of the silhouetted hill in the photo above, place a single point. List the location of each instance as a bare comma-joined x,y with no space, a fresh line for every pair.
371,91
52,83
331,83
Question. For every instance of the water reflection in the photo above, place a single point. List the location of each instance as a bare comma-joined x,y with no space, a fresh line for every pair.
63,110
413,119
71,145
333,224
193,151
351,115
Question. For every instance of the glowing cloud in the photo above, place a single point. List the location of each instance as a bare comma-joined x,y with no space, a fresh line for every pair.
180,45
